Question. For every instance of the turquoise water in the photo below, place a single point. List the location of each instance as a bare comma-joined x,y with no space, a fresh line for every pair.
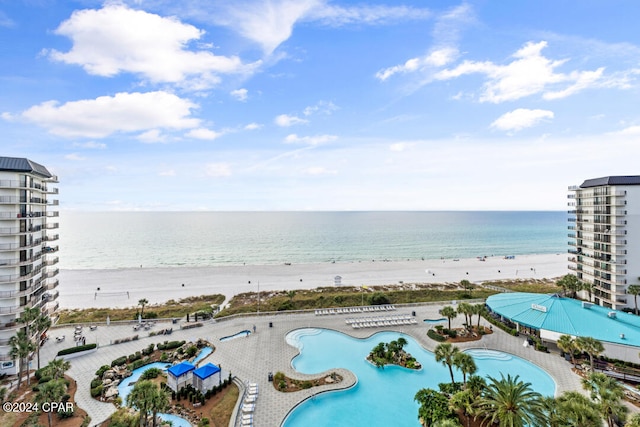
203,353
244,333
443,319
384,397
235,238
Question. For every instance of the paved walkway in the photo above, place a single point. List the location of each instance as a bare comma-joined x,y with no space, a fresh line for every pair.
251,358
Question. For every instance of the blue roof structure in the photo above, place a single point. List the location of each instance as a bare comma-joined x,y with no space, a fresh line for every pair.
206,371
181,369
568,316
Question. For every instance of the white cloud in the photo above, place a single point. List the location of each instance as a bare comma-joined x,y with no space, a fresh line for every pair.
285,120
629,131
74,157
240,94
169,172
334,15
318,170
118,39
253,126
322,107
400,146
90,145
529,73
5,21
521,118
437,58
270,23
152,136
105,115
203,133
218,170
309,140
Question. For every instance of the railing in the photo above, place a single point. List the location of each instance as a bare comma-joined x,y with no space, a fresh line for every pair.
51,226
52,285
49,238
9,199
16,294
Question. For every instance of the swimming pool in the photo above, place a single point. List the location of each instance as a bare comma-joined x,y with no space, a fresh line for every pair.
244,333
384,396
202,354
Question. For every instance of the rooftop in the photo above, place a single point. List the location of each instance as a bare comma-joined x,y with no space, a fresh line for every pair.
181,369
568,316
206,371
612,180
19,164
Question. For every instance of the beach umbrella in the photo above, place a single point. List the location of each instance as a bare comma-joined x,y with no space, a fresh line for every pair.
139,318
108,320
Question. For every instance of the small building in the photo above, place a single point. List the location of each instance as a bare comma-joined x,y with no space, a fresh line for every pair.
206,377
180,375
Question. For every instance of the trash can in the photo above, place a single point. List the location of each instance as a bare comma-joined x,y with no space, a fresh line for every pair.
271,324
174,321
413,313
270,377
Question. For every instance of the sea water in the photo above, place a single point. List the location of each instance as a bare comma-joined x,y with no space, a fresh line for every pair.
105,240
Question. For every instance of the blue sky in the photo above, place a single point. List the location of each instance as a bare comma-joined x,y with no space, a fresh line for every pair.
318,104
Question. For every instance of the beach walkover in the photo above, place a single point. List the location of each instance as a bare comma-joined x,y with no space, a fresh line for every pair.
253,357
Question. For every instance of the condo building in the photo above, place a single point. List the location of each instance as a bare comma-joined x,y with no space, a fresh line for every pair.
604,228
28,249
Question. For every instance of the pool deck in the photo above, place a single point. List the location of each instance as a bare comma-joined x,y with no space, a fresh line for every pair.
251,358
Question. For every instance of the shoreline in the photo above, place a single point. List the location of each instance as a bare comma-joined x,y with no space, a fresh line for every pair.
123,287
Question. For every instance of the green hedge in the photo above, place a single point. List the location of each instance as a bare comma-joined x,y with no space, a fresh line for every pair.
72,350
435,336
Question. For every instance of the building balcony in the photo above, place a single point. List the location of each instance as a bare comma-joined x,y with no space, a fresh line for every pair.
50,274
50,249
51,285
54,214
51,261
26,292
9,200
10,326
51,309
51,237
52,226
55,202
52,190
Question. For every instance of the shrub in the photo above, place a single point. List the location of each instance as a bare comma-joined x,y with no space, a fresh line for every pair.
282,385
378,298
72,350
279,376
96,382
96,392
150,373
119,361
306,384
191,351
435,336
104,368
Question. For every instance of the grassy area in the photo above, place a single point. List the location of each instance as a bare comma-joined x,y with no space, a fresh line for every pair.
349,297
169,309
220,414
543,286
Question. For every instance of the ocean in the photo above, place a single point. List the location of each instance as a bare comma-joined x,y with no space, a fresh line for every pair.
111,240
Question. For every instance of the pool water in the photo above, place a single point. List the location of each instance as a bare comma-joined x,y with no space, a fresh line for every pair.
125,387
203,353
384,397
240,334
441,320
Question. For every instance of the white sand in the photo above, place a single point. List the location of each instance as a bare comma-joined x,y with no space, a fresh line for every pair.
79,288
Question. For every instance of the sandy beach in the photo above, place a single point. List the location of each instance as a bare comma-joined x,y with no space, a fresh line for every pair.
124,287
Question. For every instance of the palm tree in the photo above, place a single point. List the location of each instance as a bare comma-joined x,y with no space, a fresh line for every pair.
57,367
591,346
434,406
634,421
465,363
567,344
510,402
445,353
569,284
464,402
467,286
141,397
607,393
480,310
571,409
29,314
142,302
466,309
634,290
159,403
43,322
51,391
448,312
21,348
